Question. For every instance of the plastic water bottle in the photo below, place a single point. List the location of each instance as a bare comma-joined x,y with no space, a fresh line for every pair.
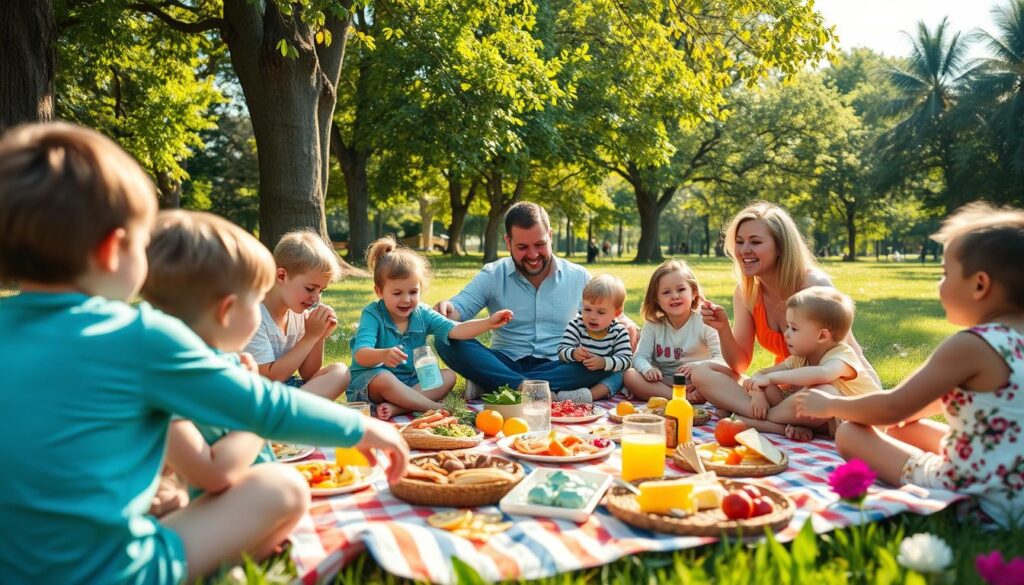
427,370
537,405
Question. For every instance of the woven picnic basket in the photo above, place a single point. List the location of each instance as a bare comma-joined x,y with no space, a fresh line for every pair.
740,470
425,440
624,506
426,493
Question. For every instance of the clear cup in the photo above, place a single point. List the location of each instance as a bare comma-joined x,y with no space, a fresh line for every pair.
643,447
351,455
536,404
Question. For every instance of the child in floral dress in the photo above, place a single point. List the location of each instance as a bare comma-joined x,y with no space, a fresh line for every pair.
974,378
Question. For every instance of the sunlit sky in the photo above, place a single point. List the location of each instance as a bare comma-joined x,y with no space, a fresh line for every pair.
878,24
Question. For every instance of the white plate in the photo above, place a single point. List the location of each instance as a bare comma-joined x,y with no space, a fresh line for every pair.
515,501
369,475
597,413
303,452
506,446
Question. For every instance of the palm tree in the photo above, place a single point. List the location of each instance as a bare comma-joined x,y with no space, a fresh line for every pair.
999,87
929,85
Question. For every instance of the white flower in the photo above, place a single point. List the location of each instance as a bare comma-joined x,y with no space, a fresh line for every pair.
925,553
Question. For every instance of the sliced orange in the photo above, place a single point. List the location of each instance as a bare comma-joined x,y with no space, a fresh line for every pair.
557,449
452,520
571,440
515,426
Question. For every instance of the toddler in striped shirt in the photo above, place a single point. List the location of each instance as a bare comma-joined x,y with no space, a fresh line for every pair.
596,339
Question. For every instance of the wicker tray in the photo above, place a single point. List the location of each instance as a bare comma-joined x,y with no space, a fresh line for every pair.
701,415
427,441
425,493
623,505
741,470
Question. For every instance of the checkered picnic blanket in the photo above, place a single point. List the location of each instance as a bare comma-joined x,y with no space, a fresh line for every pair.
337,529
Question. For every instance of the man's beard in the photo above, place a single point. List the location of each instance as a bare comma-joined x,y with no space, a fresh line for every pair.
546,260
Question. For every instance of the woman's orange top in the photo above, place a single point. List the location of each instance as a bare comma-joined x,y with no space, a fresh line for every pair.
769,338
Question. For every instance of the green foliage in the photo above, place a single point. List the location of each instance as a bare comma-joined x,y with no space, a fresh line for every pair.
130,77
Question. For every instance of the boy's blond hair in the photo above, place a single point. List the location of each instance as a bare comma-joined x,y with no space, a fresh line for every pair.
303,251
795,259
605,286
827,307
197,259
990,240
389,261
649,309
63,189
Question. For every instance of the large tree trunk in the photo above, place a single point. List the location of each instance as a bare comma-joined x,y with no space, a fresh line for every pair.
460,208
353,166
168,191
496,214
650,204
28,62
291,102
706,248
619,251
426,225
851,233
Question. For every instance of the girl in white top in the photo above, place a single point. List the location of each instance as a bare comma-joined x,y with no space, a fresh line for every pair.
975,378
674,337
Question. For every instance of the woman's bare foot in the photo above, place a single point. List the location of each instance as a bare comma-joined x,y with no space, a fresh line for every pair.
797,433
386,410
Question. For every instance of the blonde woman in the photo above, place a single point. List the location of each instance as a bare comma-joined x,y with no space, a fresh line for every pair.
772,262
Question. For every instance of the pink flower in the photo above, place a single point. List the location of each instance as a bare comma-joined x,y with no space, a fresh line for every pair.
851,480
996,571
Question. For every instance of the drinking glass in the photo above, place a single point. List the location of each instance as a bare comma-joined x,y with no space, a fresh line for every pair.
643,446
351,455
537,404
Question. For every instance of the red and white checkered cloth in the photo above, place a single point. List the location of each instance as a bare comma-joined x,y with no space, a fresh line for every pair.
339,528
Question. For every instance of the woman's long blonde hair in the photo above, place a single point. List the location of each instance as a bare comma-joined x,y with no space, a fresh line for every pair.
794,261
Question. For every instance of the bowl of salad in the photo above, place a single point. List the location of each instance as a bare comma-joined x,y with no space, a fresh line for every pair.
506,401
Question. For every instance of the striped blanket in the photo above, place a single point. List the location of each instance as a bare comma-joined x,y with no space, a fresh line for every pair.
397,536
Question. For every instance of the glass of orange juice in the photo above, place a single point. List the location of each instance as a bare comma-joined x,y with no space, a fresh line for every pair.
643,446
350,455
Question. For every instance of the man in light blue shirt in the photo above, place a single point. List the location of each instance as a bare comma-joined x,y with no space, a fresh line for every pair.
543,291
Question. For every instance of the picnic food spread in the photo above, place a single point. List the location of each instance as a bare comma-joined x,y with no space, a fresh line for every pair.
469,524
570,409
326,475
555,444
440,429
561,489
461,468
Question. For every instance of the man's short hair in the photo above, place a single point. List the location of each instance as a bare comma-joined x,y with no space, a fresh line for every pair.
196,259
524,215
605,286
63,189
827,307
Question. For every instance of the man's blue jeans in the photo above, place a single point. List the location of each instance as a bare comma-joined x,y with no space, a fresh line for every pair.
491,369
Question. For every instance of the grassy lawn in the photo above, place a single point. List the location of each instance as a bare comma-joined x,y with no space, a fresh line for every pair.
899,322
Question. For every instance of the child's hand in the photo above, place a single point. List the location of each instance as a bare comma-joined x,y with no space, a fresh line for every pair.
594,362
394,356
653,375
748,384
248,362
714,316
332,322
581,354
318,320
813,403
759,405
500,319
758,383
383,436
685,370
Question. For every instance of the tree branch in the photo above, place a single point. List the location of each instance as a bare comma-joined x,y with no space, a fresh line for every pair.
180,25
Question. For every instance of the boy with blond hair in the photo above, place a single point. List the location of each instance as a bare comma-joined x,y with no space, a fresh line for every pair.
596,339
294,325
93,381
817,320
212,275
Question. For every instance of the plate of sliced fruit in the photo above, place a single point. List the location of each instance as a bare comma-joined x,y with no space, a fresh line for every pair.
327,478
569,412
286,452
747,454
556,447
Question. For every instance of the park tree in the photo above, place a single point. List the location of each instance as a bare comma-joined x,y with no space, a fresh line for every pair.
657,84
134,80
28,63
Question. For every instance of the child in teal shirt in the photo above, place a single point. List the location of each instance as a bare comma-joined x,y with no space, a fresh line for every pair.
392,327
88,385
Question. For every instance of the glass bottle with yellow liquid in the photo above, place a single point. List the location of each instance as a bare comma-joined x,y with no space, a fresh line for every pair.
350,455
678,415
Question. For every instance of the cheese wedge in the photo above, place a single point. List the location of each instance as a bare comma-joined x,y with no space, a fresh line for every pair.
709,496
755,442
658,497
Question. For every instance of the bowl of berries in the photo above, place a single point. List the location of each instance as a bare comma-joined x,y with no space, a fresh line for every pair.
569,412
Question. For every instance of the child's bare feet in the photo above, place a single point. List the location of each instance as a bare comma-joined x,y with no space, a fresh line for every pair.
723,413
693,396
797,433
386,410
